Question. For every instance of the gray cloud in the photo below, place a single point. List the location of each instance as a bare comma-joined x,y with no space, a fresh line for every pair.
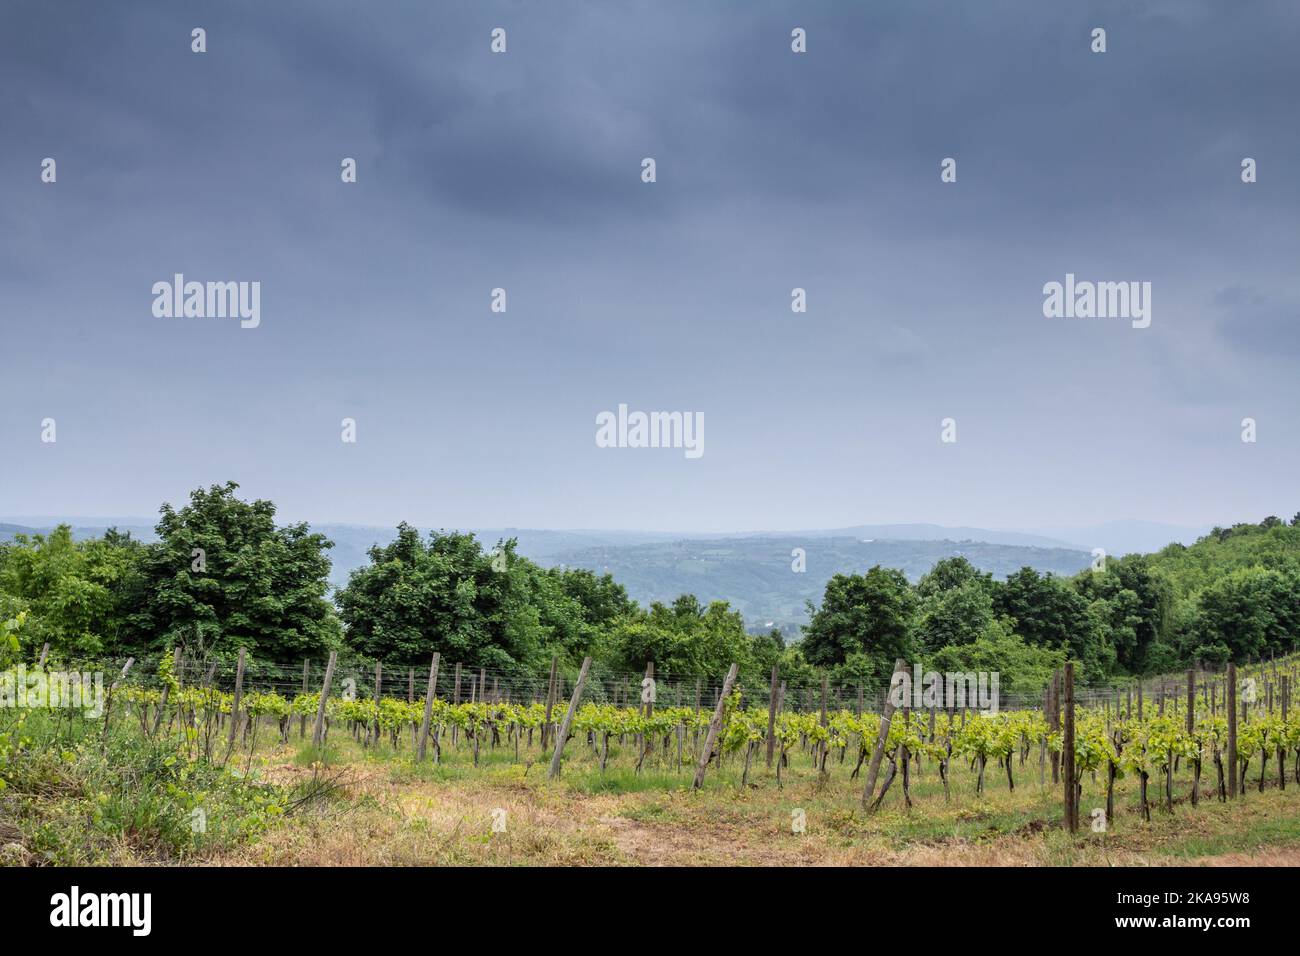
775,171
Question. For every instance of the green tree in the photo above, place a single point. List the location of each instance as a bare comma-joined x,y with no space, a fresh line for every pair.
223,575
1250,612
951,573
684,639
872,613
493,610
71,590
957,615
1047,611
1022,668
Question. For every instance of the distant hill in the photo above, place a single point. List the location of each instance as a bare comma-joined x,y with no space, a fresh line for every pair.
1127,537
751,570
755,576
95,527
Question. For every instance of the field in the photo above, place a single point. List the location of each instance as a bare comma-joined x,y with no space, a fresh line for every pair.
167,782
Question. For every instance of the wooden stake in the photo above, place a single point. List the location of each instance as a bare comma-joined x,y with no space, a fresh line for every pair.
318,729
551,690
428,706
771,718
1067,750
1231,706
563,735
886,715
714,726
234,704
302,718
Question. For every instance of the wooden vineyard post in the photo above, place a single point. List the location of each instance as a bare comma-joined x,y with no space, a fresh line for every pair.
1067,750
1191,729
695,731
715,725
379,672
771,718
302,718
647,702
824,745
1284,689
550,699
234,704
428,707
1054,721
318,729
1042,742
1230,692
455,701
45,652
886,715
410,685
563,734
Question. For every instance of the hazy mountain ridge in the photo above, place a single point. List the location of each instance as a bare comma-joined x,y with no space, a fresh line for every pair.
756,576
751,570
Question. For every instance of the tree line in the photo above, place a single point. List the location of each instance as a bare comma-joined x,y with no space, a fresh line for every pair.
224,575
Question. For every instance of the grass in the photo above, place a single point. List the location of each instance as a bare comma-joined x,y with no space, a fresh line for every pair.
123,801
73,795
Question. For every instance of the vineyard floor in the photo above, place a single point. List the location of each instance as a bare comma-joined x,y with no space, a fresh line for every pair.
383,810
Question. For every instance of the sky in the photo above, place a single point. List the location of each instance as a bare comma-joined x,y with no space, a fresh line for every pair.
775,170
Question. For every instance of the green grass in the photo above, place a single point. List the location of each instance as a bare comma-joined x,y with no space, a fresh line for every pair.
75,797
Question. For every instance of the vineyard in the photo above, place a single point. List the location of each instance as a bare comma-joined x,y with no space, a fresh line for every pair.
842,762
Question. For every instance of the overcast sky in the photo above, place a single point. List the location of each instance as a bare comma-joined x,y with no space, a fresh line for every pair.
775,170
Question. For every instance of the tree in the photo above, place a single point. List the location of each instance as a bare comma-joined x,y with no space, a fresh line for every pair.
1047,611
1138,607
872,613
957,615
601,598
1021,668
71,590
1250,611
224,576
492,610
950,573
684,639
